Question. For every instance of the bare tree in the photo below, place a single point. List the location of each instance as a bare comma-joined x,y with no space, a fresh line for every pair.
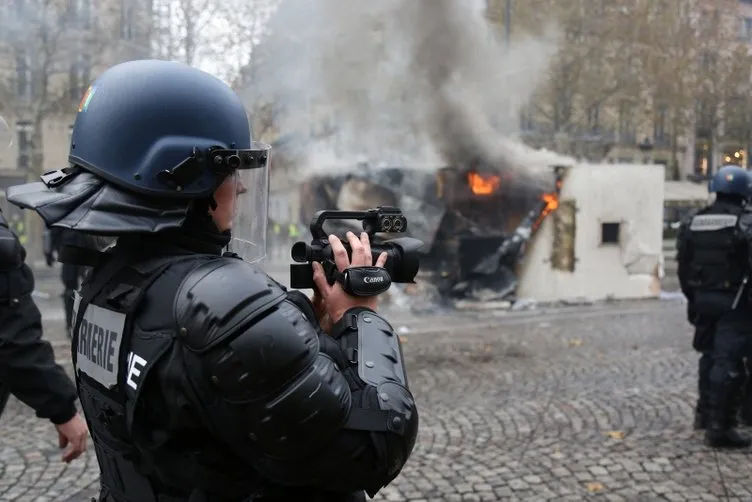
597,64
183,28
670,68
219,34
695,67
49,50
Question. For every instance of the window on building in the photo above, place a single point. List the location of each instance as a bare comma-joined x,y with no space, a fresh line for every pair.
705,113
593,118
83,13
660,136
708,61
745,28
24,144
610,233
627,133
79,76
526,119
126,19
23,74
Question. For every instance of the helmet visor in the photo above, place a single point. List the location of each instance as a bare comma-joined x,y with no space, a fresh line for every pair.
250,185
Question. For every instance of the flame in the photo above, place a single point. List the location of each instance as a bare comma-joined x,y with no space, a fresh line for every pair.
483,185
552,203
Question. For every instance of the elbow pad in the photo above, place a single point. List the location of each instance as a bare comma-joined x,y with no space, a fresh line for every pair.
387,407
293,398
262,358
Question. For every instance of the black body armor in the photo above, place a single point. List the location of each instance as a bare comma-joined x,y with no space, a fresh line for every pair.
713,258
203,379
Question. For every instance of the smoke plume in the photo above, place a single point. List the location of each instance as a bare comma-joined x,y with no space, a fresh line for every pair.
400,82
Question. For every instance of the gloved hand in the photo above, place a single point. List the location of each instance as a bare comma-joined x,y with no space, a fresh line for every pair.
50,258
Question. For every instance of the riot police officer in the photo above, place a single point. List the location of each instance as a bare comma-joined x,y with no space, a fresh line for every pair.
27,362
201,377
714,248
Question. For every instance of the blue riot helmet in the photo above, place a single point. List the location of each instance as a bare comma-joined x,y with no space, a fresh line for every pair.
731,180
151,143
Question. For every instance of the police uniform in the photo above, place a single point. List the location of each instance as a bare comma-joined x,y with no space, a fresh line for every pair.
714,266
71,273
201,377
27,362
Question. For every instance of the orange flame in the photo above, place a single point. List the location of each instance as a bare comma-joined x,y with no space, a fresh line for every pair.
552,203
483,185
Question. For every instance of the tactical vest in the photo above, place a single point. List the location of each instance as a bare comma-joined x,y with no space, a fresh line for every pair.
111,359
718,260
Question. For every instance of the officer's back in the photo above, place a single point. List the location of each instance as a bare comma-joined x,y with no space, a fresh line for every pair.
714,248
715,263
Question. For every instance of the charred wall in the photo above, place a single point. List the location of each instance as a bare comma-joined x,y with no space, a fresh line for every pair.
565,232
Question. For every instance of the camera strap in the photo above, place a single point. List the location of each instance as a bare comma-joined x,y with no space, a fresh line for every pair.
363,281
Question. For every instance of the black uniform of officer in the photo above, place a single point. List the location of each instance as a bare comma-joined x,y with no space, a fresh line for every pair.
201,377
27,362
702,342
70,273
714,249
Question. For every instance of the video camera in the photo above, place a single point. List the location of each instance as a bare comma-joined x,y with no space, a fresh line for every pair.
402,253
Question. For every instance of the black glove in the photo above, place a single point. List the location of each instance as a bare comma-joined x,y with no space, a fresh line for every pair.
50,258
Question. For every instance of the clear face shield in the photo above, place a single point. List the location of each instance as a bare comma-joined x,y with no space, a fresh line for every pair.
250,192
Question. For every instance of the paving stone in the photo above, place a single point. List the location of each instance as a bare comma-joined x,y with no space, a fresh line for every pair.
510,410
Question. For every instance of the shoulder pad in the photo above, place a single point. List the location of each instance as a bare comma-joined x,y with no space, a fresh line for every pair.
220,296
745,222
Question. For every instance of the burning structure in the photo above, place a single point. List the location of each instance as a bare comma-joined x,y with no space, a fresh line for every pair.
598,229
428,83
475,222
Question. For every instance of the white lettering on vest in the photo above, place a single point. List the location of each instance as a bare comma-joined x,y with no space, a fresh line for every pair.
99,339
135,364
713,222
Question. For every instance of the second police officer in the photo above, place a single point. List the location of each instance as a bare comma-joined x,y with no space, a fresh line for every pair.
714,249
202,378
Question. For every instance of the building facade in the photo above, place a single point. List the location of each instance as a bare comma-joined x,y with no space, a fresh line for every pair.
46,64
689,107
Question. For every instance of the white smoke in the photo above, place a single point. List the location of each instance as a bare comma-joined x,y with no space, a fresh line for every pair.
403,82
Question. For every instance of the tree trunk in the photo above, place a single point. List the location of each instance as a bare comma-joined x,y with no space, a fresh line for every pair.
34,224
37,150
675,171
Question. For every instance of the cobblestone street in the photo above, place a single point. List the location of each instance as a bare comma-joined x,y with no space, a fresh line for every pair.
558,404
